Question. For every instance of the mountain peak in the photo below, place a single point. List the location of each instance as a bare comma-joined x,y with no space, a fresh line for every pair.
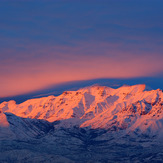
132,89
95,106
91,118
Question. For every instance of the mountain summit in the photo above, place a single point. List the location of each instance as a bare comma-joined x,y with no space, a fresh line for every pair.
95,123
128,107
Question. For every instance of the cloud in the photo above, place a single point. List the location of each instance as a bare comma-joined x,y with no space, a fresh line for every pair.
55,66
48,43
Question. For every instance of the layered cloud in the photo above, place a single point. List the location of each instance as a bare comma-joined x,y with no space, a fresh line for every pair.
48,43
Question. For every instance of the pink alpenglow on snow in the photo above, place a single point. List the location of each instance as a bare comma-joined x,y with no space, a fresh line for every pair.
127,107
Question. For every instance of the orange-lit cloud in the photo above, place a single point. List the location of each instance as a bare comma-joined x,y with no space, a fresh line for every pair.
66,41
27,76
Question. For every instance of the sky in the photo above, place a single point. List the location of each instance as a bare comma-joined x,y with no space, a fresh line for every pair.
43,43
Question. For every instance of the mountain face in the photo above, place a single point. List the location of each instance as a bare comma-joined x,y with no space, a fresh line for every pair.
128,107
92,124
22,128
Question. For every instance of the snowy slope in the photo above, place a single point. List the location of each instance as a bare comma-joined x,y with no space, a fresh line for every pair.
92,124
129,107
14,127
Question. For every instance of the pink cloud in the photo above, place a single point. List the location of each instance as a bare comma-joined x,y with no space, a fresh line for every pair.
30,75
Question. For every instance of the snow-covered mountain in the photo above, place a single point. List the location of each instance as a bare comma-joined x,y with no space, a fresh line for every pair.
128,107
90,119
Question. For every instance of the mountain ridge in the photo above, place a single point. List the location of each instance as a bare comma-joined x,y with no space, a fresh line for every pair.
92,124
127,107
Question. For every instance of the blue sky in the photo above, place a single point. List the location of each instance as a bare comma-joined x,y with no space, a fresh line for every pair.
43,43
